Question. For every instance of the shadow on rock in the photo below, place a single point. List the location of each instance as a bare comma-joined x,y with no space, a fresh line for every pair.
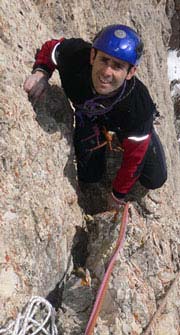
77,303
71,299
54,114
53,111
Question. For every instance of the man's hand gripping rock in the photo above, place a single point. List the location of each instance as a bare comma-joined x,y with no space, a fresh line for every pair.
35,85
116,205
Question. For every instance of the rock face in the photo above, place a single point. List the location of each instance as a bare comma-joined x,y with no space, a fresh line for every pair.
39,204
42,227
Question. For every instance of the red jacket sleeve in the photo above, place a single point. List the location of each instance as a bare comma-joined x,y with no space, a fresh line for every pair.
43,57
134,152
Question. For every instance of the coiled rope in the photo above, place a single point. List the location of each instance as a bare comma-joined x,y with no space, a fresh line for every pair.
38,317
103,288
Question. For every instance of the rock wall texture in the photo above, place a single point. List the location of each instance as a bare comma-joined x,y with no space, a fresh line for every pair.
41,210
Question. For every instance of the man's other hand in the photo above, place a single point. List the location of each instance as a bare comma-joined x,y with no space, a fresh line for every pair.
115,203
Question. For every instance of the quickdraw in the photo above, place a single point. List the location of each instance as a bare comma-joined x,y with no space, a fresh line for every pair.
108,141
103,288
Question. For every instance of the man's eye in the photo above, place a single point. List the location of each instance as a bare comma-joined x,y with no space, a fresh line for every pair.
104,59
118,66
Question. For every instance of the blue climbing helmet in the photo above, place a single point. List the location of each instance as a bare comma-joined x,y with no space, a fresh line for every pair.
121,42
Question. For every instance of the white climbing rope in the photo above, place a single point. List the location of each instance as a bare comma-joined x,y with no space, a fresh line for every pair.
38,317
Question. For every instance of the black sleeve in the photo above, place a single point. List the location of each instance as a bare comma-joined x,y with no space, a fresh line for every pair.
69,49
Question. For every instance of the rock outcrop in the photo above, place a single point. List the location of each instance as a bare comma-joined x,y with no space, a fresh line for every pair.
43,229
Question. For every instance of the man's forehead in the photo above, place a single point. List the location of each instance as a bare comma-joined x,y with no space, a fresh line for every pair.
116,60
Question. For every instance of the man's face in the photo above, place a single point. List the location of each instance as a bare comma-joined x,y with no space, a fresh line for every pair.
108,73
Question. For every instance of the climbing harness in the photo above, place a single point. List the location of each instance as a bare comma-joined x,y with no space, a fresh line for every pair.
103,288
38,317
87,113
95,139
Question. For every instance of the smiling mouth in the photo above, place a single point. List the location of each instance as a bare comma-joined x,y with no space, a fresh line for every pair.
105,81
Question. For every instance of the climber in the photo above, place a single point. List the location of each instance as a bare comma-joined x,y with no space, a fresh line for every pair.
100,81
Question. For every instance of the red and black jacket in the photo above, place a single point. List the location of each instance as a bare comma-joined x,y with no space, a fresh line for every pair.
131,118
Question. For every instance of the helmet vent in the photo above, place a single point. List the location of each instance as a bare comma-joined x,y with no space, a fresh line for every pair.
119,33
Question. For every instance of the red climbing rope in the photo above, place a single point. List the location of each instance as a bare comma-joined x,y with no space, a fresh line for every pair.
103,288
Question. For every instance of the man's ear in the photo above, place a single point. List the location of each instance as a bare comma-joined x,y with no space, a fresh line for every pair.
131,72
92,56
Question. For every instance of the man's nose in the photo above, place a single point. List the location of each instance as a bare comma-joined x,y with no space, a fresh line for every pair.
107,70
